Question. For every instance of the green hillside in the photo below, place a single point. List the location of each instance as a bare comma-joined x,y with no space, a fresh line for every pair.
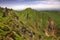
29,24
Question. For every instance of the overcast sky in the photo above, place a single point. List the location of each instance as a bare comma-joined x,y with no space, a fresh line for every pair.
35,4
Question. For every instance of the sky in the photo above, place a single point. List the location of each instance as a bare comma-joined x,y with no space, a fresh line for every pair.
34,4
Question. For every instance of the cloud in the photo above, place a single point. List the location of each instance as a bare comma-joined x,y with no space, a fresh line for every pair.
35,6
46,4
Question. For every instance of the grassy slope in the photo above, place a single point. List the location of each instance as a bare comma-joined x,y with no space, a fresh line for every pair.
40,17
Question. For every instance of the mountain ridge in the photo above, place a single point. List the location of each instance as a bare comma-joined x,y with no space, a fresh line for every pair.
29,24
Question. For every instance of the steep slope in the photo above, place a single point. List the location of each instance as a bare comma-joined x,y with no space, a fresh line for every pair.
28,24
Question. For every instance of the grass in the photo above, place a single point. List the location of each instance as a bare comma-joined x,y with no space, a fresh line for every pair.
32,20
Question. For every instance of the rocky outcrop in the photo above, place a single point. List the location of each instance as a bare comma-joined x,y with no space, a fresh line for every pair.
50,31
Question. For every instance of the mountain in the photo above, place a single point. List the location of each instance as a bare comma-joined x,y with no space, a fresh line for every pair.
29,24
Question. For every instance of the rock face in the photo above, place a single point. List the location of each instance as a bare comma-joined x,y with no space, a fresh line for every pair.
5,13
51,27
50,31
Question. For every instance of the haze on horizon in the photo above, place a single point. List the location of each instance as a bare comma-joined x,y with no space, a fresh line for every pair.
34,4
